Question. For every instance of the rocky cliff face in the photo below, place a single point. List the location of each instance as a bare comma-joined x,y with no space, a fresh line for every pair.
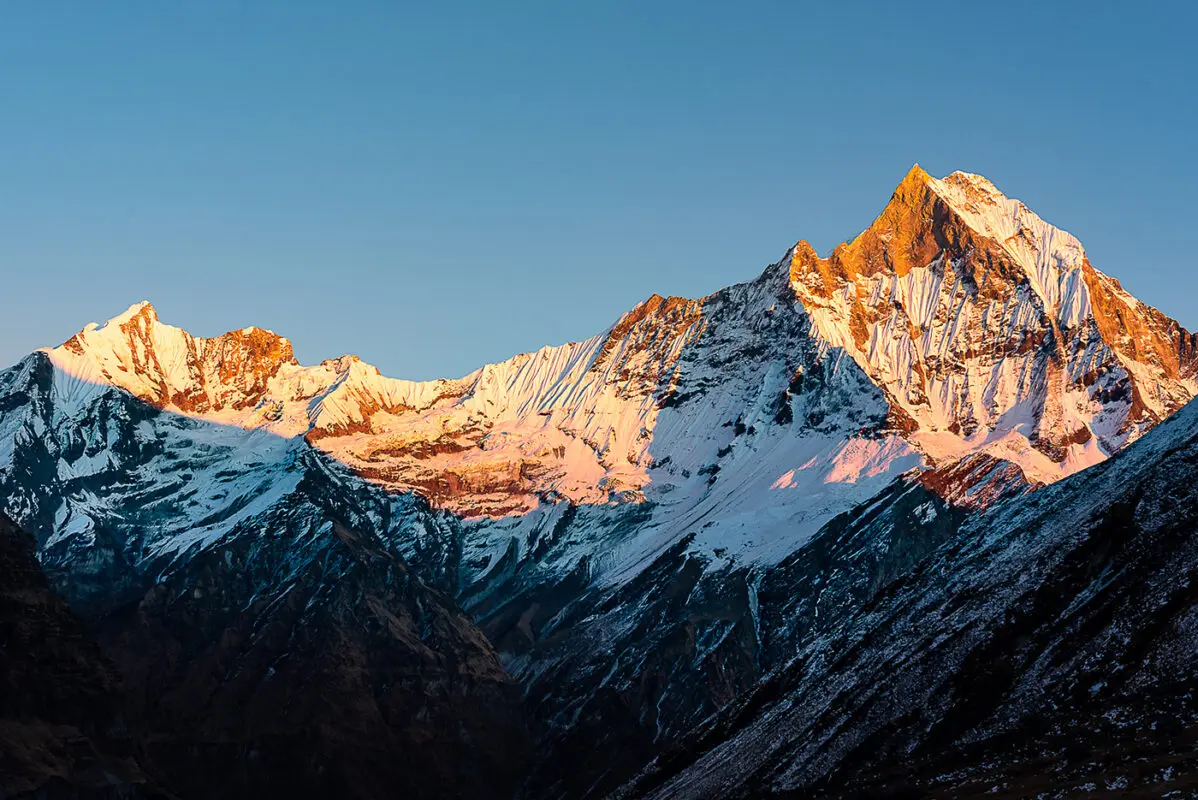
644,523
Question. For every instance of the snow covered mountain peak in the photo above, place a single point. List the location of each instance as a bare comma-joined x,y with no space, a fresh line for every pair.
1048,254
168,367
958,324
141,308
989,330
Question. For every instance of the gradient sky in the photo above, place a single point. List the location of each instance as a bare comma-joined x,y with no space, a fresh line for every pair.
433,186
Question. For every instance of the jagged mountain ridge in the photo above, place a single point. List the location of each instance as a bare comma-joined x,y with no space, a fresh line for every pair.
987,328
636,521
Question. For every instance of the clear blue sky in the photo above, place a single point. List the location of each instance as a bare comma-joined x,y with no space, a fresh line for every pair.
432,186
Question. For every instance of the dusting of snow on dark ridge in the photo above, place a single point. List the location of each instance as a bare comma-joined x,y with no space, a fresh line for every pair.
1045,650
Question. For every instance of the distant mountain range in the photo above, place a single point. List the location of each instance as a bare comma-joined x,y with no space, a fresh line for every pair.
675,558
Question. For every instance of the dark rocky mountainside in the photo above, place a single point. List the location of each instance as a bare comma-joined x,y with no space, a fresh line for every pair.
1048,650
260,672
62,732
621,674
255,674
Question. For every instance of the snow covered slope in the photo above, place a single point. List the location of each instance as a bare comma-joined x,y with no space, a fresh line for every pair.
970,326
647,411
